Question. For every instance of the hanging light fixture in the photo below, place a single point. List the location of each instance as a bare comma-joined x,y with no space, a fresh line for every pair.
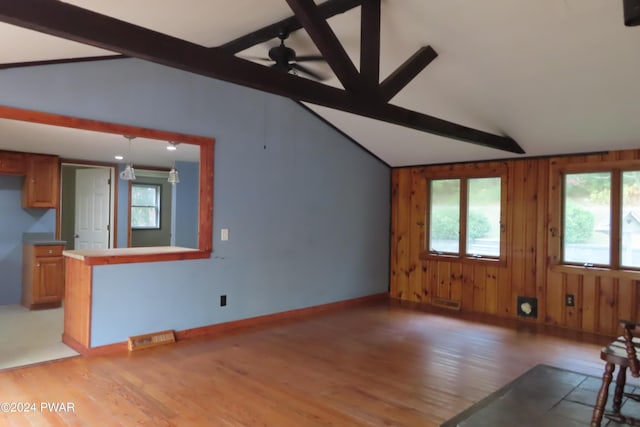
173,178
128,174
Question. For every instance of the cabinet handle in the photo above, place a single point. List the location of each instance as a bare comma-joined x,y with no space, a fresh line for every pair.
38,265
50,251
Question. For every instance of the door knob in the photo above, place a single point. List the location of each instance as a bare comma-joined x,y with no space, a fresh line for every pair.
76,236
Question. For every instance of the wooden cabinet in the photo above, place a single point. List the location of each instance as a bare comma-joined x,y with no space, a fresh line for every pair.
12,163
42,276
41,185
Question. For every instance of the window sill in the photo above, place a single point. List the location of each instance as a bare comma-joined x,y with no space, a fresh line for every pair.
135,255
595,271
486,261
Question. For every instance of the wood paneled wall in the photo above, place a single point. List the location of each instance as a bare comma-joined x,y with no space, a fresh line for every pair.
533,218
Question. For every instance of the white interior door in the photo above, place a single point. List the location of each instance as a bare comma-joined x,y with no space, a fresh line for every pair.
92,208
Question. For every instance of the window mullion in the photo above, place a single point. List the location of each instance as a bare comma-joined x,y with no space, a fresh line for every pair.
426,239
464,207
616,216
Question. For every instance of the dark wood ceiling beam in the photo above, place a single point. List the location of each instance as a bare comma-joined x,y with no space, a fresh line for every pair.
8,65
327,43
327,10
407,72
74,23
370,43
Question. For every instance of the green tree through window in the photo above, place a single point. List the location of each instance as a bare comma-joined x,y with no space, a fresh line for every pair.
479,235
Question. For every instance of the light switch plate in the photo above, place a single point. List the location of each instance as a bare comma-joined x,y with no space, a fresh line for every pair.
224,234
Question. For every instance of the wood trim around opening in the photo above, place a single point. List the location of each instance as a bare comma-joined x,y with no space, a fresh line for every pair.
207,148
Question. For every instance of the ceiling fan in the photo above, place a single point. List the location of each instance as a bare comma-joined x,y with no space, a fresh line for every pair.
284,58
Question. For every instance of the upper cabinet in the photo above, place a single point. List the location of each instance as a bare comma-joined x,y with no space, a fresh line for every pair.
12,163
42,181
41,185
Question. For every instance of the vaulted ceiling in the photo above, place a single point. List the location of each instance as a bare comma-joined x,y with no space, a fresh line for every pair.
412,81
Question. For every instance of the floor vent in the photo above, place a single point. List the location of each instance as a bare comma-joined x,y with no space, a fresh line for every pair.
527,307
446,303
139,342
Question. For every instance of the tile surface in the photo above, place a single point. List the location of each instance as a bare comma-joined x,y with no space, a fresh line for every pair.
543,396
29,337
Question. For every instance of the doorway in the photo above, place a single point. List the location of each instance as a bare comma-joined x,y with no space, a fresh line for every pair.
87,206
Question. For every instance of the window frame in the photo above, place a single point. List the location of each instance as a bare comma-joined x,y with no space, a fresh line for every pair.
616,169
157,206
464,176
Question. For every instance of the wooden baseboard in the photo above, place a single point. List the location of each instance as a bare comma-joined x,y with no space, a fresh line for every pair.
74,344
102,350
512,322
209,330
268,318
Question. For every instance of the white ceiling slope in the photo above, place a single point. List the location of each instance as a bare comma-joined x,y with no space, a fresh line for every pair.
558,76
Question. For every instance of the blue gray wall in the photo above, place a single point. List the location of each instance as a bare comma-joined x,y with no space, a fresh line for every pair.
186,196
308,211
14,220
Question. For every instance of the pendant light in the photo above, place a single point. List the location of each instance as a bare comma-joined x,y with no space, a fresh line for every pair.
128,174
174,178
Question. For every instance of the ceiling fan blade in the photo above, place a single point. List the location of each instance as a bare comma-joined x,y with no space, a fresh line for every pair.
307,71
255,58
303,58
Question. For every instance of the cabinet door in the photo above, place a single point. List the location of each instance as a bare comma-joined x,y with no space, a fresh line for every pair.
48,280
12,163
41,184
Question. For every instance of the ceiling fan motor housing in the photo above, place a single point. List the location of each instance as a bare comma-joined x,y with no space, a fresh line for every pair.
282,55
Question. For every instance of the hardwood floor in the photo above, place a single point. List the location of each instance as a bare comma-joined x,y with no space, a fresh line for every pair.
371,365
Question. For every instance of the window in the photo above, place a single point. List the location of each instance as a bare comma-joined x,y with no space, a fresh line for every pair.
483,217
479,202
444,223
587,218
600,209
145,206
630,247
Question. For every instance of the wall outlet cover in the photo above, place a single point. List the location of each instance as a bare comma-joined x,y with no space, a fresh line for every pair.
570,300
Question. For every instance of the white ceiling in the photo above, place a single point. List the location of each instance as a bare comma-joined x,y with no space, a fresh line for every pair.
558,76
76,144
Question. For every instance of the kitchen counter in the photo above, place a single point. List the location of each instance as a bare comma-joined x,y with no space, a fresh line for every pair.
80,265
132,255
41,239
47,242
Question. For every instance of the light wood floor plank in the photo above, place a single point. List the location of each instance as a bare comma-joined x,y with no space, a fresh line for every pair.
372,365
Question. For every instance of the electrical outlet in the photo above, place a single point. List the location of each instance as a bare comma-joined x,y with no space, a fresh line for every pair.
224,234
570,300
223,300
